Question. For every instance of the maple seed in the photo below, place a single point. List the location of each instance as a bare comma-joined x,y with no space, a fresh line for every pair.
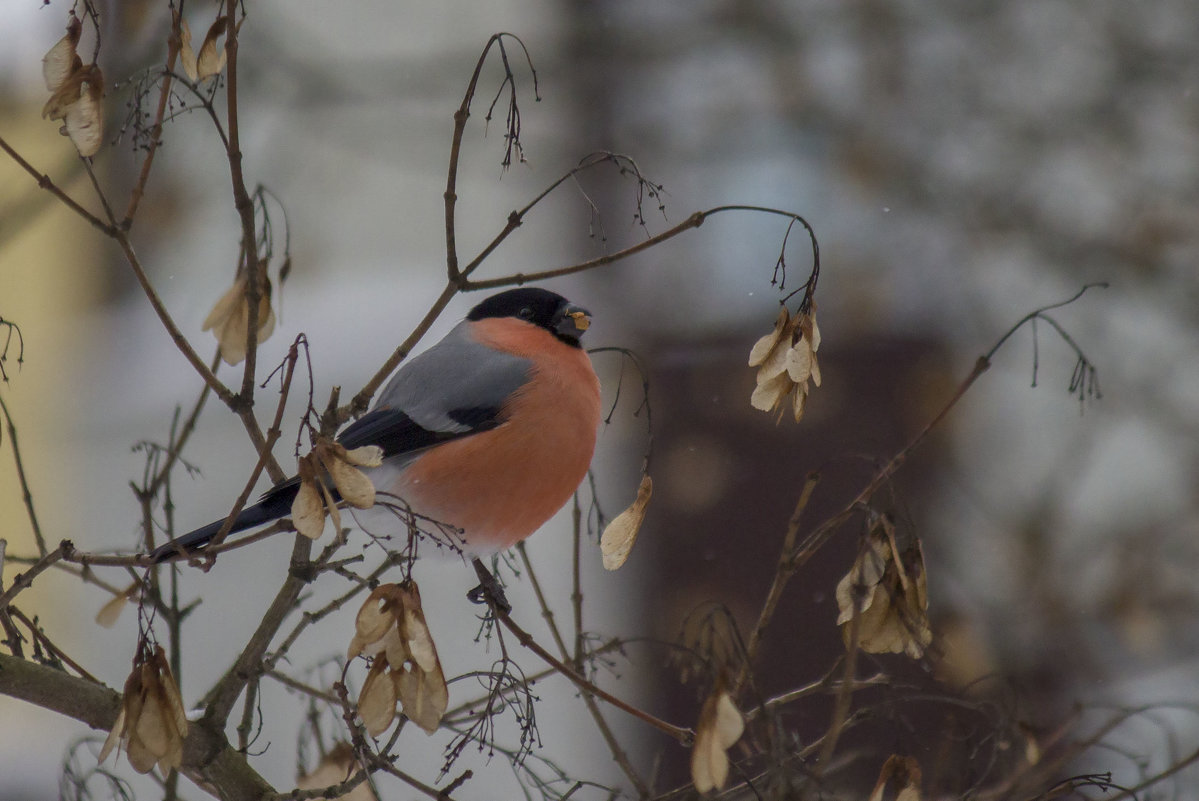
337,766
899,780
352,484
786,362
152,723
720,726
75,92
59,61
210,61
186,54
230,318
111,611
886,591
377,701
391,628
308,507
83,121
619,535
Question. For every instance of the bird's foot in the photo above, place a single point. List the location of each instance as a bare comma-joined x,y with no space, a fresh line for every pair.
489,591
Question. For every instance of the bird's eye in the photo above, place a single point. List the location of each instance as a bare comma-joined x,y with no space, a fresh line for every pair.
526,313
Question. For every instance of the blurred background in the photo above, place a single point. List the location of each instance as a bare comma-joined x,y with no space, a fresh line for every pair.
961,165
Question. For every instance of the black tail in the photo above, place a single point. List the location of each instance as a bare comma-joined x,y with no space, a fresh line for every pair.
275,504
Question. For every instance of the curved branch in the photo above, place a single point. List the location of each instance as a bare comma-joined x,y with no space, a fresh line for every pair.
208,758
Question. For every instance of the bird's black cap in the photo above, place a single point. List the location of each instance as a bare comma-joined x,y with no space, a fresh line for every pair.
540,307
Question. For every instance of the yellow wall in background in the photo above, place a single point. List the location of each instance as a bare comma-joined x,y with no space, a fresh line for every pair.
49,278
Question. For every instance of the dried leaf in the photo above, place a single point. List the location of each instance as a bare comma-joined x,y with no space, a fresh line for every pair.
114,736
899,780
230,319
374,617
799,362
152,724
211,61
308,508
720,726
60,60
394,648
423,696
377,701
352,484
336,767
889,597
227,304
365,456
786,361
729,723
769,394
331,507
811,330
1032,749
111,611
799,402
139,754
421,649
84,121
67,93
176,714
186,54
765,346
619,536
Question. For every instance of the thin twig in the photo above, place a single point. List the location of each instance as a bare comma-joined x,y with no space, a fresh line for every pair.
49,645
618,753
22,479
44,182
694,221
135,196
683,735
22,581
220,700
782,574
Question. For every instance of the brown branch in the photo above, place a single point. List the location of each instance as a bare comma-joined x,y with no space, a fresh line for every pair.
139,188
299,686
618,753
44,182
22,581
813,542
264,452
88,560
255,269
844,694
460,118
49,645
308,618
208,758
683,735
22,479
782,574
189,426
220,699
694,221
164,316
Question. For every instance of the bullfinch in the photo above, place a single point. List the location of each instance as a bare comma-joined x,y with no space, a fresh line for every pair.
490,431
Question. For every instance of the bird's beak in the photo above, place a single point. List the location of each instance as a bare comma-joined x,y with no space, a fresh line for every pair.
572,321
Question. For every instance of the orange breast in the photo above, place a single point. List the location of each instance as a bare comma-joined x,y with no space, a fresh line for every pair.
500,486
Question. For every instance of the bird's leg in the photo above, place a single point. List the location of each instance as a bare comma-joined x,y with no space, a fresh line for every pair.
489,590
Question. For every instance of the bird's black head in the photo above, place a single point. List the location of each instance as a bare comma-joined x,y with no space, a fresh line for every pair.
540,307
